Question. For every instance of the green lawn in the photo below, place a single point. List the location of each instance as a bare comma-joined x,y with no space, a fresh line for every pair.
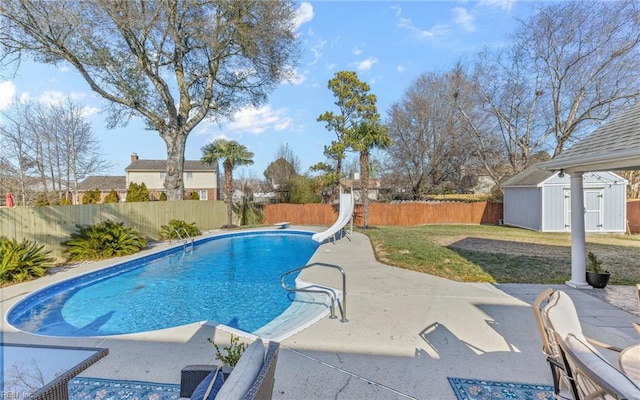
483,253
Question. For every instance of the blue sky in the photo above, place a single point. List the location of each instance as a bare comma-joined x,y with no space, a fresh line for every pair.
388,44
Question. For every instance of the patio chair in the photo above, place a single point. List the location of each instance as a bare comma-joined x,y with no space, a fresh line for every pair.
592,376
556,316
240,381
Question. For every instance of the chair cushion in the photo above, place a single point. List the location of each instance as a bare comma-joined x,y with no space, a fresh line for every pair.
200,393
244,373
600,367
562,314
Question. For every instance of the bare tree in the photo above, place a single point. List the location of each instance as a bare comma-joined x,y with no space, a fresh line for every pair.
285,167
173,63
504,99
429,148
587,54
52,144
77,149
16,154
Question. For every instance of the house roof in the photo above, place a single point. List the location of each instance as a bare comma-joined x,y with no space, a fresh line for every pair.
531,176
103,183
161,166
613,146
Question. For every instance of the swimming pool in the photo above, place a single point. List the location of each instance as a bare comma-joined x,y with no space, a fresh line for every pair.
230,279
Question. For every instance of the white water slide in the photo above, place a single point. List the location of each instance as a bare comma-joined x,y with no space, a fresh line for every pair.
345,214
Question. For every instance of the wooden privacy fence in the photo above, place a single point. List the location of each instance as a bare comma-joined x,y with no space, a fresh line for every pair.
54,224
633,215
389,214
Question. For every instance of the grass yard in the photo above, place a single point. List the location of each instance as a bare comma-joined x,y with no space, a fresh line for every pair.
486,253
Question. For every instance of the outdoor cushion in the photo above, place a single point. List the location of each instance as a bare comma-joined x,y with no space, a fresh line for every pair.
244,373
202,391
562,314
597,366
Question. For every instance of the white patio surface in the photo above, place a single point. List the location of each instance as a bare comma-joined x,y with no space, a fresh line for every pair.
407,332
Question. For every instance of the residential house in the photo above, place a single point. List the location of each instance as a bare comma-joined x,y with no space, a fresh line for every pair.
374,188
103,183
198,177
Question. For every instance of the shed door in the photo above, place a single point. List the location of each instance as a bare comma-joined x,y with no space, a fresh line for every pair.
593,210
592,206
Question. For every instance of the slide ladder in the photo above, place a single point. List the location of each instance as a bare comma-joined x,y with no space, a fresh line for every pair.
345,215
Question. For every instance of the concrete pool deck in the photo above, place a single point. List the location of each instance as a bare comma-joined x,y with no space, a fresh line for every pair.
407,332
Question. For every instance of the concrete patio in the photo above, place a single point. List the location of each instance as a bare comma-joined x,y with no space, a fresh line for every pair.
407,332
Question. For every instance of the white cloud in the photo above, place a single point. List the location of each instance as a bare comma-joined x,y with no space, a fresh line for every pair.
503,4
258,120
436,30
304,14
296,77
89,111
7,94
464,19
401,68
356,51
51,97
317,51
366,65
397,10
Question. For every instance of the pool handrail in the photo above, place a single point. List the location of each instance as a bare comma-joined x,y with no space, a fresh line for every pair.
184,240
323,290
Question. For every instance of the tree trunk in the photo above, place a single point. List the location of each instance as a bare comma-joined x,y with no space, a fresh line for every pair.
173,179
228,188
364,185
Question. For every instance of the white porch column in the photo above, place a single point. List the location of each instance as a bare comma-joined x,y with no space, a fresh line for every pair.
578,245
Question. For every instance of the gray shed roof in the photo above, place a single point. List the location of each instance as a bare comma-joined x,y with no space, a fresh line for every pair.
613,146
531,176
161,165
103,183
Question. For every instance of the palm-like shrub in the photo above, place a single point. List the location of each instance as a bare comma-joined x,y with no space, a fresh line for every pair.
104,240
169,231
22,261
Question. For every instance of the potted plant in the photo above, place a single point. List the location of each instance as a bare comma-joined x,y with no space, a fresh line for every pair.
597,276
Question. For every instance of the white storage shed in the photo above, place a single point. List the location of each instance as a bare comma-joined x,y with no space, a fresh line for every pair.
540,200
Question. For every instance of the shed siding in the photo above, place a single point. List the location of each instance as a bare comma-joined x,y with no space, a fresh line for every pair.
553,208
522,207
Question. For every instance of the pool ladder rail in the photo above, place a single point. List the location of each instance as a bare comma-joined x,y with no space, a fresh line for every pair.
185,240
322,289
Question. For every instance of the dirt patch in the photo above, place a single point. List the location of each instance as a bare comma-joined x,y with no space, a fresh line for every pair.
510,247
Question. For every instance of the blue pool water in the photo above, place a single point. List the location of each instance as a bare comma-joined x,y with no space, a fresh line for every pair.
230,279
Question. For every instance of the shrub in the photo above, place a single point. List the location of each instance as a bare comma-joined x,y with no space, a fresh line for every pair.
112,197
103,240
169,231
233,351
91,196
137,192
163,196
194,196
23,261
65,201
41,200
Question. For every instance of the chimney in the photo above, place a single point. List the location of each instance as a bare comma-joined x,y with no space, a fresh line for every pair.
134,157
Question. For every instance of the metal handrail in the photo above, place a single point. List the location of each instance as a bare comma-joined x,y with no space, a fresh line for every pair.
184,240
329,292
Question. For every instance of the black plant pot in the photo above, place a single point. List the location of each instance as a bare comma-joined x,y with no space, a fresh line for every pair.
597,280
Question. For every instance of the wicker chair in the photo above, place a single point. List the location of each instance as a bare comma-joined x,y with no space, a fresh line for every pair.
261,389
